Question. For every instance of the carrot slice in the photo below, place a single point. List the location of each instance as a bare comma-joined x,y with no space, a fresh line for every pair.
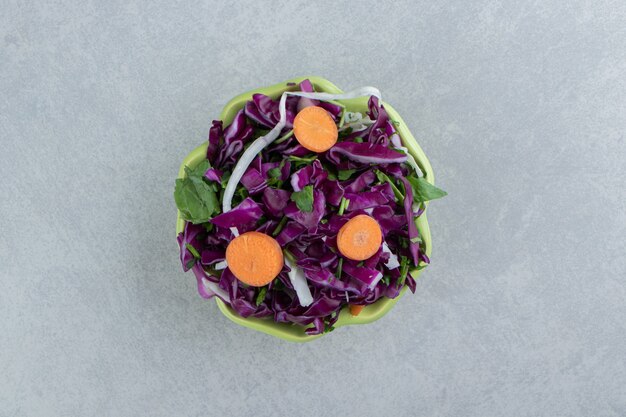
255,258
315,129
356,309
359,238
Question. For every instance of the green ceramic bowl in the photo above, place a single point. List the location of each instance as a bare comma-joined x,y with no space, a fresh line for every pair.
295,333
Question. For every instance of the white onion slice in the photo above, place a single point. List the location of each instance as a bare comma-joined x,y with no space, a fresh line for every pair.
375,281
351,117
411,161
298,280
220,265
215,289
356,122
392,263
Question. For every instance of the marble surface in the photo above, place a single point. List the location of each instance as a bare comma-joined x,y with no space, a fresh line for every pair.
521,108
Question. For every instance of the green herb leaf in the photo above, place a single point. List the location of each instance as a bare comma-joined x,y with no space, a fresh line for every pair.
343,205
299,161
284,138
343,118
358,140
331,170
328,328
280,226
278,285
423,190
195,197
191,263
274,172
404,270
345,174
345,132
193,250
304,199
339,268
241,194
225,178
275,182
382,177
261,296
259,132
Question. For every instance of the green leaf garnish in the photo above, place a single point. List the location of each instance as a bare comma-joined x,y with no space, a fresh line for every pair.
382,177
280,226
225,178
343,205
345,132
328,328
261,296
304,199
241,194
274,172
404,270
195,197
191,263
423,190
339,268
299,161
284,138
344,174
193,250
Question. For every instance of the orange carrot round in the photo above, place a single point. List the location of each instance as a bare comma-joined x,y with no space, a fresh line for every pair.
315,129
254,258
359,238
356,309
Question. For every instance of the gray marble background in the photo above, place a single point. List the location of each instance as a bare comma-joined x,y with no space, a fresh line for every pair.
521,108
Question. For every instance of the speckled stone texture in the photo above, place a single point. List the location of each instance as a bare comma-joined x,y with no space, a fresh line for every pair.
521,108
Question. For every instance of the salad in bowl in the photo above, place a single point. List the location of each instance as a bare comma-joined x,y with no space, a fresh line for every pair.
306,209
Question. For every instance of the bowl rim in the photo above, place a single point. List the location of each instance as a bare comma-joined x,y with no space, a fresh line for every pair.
291,332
